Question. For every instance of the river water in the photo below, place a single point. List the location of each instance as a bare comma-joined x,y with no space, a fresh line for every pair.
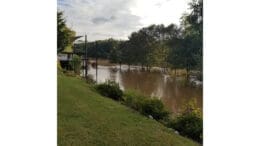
173,92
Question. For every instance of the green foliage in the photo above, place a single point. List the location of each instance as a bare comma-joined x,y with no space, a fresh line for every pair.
160,55
64,34
126,53
141,45
192,24
146,105
155,108
110,89
134,100
190,107
115,54
75,63
105,49
189,123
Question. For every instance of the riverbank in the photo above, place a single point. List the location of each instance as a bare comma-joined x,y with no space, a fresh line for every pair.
194,78
87,118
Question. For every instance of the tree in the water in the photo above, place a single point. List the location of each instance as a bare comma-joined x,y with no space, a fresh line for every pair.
192,33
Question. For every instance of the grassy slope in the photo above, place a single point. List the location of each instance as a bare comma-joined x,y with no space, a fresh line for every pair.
87,118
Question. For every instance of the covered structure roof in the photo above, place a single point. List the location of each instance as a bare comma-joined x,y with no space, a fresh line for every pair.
69,48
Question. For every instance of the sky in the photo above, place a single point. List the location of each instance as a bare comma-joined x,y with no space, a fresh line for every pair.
103,19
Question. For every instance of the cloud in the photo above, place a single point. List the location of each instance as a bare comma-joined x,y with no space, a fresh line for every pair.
102,19
160,11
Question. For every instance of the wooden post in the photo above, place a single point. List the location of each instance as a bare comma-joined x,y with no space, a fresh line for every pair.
86,60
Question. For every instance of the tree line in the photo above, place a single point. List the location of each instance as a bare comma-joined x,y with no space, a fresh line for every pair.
172,46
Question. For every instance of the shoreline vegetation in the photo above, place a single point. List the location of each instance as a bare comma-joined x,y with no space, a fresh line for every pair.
195,77
87,118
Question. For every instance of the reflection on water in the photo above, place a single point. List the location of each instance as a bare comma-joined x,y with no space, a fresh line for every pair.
172,91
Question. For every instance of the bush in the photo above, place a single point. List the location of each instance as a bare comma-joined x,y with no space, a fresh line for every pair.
134,100
145,105
189,125
110,89
155,108
75,63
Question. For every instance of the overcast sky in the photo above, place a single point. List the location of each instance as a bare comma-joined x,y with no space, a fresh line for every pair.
102,19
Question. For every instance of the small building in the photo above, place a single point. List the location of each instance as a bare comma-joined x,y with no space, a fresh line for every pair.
65,56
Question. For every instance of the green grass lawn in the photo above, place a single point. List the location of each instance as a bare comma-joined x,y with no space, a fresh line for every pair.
86,118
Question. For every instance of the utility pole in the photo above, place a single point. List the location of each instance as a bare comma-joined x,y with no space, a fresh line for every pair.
86,60
96,62
96,69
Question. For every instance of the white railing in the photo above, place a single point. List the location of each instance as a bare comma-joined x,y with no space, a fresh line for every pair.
63,57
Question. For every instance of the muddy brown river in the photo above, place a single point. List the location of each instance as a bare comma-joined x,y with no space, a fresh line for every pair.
173,92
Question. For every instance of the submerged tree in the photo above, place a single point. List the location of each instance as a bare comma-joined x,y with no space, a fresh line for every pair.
193,35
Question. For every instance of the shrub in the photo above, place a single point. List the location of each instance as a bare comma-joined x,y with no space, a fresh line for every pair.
155,108
190,107
110,89
134,100
75,63
189,123
145,105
